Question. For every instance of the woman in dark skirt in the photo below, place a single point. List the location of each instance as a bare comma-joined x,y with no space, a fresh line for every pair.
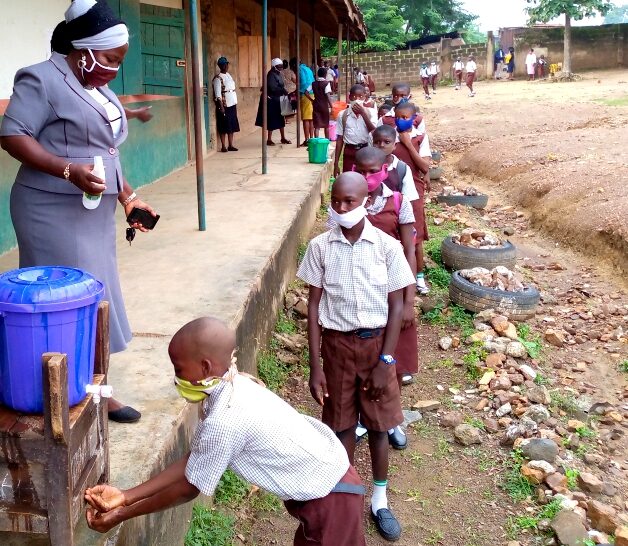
322,102
276,90
226,102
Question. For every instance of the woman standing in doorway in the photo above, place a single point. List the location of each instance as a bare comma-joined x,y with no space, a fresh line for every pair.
226,105
61,114
276,90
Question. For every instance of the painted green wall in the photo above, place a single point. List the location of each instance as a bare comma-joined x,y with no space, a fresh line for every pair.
152,150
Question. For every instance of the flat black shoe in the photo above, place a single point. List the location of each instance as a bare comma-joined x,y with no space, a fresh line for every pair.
223,150
397,439
125,415
386,524
232,149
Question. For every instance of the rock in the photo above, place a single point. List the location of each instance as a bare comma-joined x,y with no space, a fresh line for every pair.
533,475
527,372
491,425
486,315
557,482
499,323
540,449
445,343
608,490
511,331
495,360
554,337
538,413
516,349
529,425
508,230
589,482
482,404
573,425
292,342
539,395
495,346
500,383
569,529
513,433
455,342
467,435
484,335
504,410
486,378
603,516
290,300
426,405
300,307
544,466
410,416
566,501
451,419
621,536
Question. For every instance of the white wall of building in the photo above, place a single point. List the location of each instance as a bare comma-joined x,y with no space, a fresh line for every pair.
25,33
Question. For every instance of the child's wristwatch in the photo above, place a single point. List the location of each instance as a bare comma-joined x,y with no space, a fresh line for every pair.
389,360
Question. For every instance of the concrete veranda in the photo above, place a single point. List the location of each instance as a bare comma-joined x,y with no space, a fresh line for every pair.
236,270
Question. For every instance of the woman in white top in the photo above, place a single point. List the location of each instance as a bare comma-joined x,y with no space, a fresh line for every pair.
531,64
226,105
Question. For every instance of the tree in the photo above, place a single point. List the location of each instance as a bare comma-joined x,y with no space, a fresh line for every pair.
617,15
473,35
543,11
425,17
384,24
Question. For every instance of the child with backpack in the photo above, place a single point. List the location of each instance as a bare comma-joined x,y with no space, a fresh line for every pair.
322,102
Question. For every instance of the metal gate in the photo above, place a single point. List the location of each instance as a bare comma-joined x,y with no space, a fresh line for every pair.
163,50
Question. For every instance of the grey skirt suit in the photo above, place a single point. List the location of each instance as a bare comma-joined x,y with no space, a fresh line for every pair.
51,224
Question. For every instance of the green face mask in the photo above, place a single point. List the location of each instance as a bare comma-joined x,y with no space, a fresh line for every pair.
196,393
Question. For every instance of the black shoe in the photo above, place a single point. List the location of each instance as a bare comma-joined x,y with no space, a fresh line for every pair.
397,439
223,150
125,414
232,149
386,524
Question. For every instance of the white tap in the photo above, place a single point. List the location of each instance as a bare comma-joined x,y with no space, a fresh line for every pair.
99,391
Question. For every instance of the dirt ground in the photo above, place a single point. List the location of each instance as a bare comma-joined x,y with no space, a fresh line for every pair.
553,161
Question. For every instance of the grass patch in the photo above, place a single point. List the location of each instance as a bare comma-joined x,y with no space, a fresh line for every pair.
435,317
515,484
519,524
231,490
565,401
459,317
285,324
619,101
263,501
271,371
585,432
416,459
572,478
301,251
530,340
439,277
623,366
210,527
474,422
472,359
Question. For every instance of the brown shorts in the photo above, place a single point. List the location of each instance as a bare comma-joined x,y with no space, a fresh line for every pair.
407,351
347,362
335,520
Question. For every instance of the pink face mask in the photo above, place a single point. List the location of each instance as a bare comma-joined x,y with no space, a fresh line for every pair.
373,181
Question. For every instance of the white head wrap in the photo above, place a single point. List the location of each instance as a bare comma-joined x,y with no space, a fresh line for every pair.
110,38
276,62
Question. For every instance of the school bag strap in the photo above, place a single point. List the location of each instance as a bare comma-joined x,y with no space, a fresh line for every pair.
397,198
343,122
402,169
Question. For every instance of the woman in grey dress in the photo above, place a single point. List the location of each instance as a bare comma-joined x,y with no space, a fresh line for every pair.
60,116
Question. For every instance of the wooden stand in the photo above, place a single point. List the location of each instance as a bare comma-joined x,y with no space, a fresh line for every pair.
46,463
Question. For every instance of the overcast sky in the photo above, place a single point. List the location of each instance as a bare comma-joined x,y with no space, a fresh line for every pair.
494,14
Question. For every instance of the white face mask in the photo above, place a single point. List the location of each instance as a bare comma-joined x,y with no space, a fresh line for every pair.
351,218
96,63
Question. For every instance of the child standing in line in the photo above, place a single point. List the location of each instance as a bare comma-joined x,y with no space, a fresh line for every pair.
458,68
357,275
413,147
383,110
251,430
434,71
471,68
390,211
399,173
425,80
322,102
353,127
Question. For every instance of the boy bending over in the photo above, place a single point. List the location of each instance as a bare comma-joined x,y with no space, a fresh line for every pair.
255,433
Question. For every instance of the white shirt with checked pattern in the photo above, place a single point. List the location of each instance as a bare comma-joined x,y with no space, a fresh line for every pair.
407,184
406,215
265,441
356,279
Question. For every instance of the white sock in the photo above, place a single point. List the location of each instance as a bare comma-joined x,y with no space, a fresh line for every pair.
391,430
379,499
360,430
420,280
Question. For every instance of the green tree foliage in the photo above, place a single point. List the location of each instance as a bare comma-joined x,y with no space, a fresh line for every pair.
425,17
473,35
384,23
617,15
542,11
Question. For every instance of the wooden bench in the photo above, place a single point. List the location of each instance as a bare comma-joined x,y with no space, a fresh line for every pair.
46,462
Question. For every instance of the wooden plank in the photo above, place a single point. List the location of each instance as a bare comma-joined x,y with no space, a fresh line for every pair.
23,520
55,376
164,21
102,350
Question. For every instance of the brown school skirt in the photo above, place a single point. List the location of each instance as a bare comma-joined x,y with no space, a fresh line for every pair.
334,520
347,363
470,78
407,351
348,157
420,224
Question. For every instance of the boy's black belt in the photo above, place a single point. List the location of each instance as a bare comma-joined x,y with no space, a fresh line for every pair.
350,488
357,146
365,333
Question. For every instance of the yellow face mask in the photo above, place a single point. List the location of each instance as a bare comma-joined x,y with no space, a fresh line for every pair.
196,393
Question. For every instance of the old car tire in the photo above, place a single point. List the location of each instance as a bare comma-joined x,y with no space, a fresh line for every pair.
475,201
457,257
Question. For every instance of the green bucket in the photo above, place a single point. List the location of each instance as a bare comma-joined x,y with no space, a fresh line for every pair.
317,150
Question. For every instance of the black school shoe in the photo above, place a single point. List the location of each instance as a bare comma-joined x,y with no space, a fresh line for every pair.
397,439
386,524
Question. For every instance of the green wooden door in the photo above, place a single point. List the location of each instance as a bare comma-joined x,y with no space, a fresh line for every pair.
163,44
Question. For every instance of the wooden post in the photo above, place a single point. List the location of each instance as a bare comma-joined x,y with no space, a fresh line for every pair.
338,91
57,434
297,26
101,359
314,59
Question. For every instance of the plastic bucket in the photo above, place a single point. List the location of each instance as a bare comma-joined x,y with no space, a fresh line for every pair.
332,131
337,107
46,309
317,150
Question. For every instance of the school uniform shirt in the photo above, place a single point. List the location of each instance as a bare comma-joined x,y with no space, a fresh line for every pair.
471,66
330,75
356,278
263,439
406,215
458,66
352,128
230,96
425,72
408,189
433,69
424,147
327,87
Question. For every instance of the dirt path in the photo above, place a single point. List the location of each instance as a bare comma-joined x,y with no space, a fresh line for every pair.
449,495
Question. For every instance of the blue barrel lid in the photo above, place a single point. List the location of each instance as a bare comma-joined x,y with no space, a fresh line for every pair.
47,289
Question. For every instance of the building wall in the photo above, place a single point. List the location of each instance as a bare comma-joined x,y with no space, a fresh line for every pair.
176,4
27,26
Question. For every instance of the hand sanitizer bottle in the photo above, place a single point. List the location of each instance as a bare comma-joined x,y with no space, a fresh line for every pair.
90,202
